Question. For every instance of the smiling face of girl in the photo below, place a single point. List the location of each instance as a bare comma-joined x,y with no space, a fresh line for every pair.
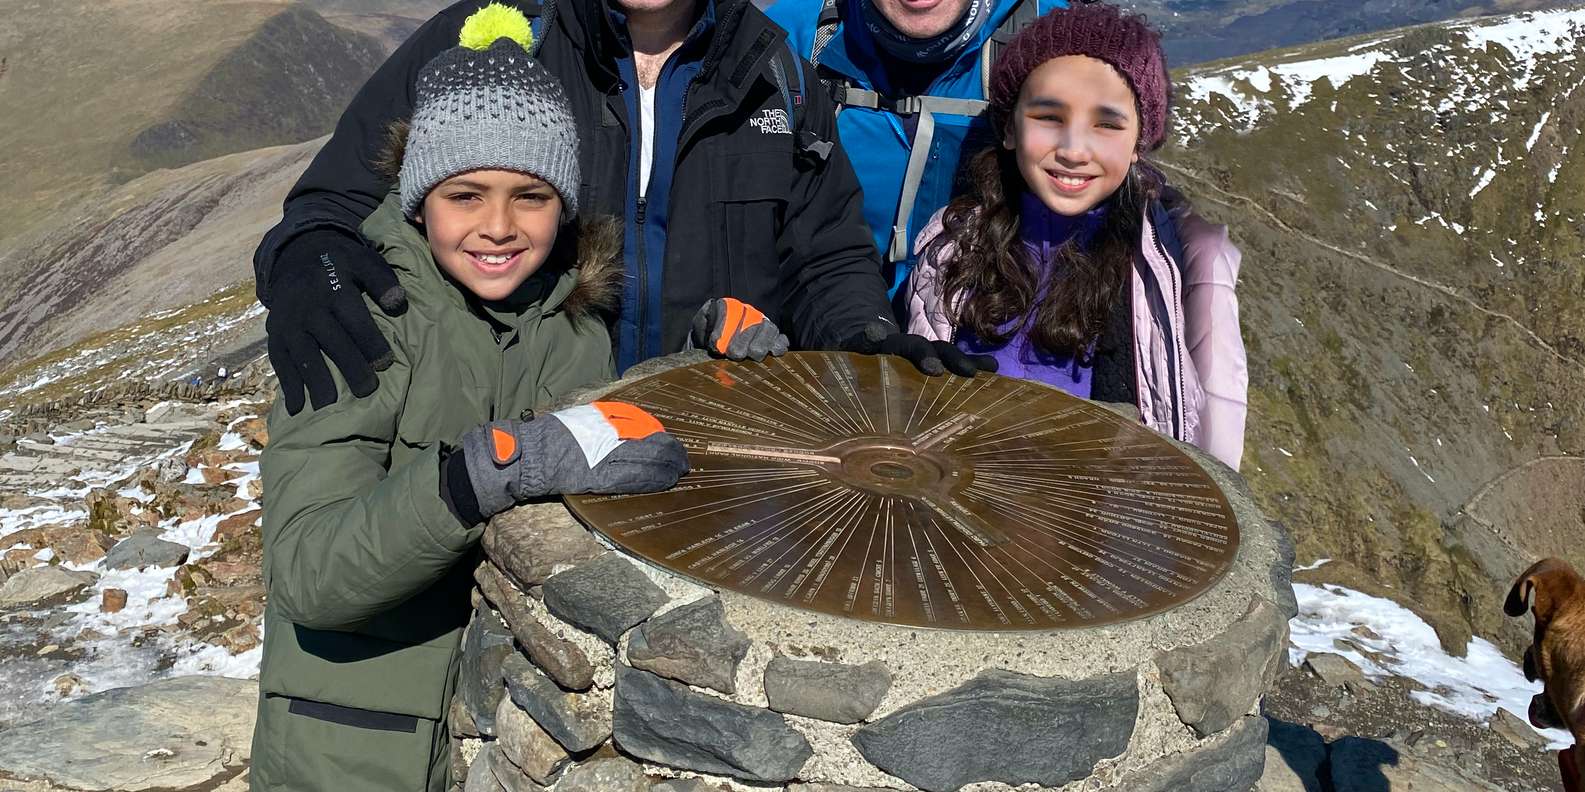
1074,132
491,229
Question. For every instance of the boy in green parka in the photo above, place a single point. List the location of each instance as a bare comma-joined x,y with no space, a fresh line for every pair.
376,504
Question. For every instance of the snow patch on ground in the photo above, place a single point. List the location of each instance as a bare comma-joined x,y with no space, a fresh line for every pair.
1529,36
1297,79
1474,686
211,660
135,644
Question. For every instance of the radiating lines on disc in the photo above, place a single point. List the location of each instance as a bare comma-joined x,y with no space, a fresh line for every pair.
856,487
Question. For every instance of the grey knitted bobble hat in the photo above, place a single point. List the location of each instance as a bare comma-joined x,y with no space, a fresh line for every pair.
486,104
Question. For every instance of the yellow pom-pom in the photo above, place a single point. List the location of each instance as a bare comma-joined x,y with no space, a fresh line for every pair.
496,21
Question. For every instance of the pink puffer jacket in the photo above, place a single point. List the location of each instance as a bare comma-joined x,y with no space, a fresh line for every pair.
1192,376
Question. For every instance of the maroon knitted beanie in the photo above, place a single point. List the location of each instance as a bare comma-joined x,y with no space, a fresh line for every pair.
1101,31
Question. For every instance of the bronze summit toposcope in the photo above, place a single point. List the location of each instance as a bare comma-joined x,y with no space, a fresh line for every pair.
855,486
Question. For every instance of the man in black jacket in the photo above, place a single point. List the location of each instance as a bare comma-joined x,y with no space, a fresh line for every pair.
699,127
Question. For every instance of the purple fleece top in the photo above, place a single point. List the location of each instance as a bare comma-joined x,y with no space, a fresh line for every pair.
1043,231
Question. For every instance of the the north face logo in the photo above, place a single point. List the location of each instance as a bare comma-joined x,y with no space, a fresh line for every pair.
772,122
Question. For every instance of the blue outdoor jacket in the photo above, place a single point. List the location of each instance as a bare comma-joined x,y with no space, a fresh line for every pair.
876,141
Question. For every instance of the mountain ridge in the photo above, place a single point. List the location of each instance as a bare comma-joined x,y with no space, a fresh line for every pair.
166,84
1409,342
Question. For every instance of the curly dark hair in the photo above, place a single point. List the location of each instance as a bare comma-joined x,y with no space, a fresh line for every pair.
992,282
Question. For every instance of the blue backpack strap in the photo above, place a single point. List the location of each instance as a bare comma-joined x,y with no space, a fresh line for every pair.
788,74
825,29
846,94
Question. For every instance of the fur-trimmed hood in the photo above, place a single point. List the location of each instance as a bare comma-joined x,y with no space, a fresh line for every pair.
597,290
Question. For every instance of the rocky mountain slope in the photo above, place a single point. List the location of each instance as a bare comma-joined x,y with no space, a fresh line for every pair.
94,93
1410,211
157,243
1205,30
389,21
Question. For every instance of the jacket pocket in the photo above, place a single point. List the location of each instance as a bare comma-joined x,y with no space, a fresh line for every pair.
749,208
312,748
359,670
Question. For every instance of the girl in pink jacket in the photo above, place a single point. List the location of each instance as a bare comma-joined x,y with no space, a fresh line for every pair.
1063,260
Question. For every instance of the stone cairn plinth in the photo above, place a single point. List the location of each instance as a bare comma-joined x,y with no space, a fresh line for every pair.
585,670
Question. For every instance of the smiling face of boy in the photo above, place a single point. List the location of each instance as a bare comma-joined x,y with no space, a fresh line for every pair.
491,229
1075,131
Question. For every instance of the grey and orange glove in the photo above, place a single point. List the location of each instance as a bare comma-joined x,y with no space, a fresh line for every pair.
730,328
607,448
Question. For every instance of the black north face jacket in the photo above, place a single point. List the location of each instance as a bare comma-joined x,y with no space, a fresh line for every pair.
763,204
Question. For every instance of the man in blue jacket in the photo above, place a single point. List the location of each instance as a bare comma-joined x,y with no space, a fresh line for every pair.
910,79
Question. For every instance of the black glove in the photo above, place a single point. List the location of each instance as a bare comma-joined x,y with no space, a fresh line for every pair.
931,357
317,311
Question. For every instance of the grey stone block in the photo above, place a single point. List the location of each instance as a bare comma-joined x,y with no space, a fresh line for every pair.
485,645
560,659
481,774
1217,682
1516,731
145,550
605,774
1281,571
1335,670
687,785
1294,755
579,721
1007,727
527,745
115,739
528,542
693,644
606,596
44,585
1363,765
1233,764
828,691
459,720
836,788
511,777
662,721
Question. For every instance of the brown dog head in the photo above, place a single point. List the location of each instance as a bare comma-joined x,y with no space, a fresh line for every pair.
1552,582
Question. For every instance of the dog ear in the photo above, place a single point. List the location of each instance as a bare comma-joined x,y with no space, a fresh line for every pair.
1519,596
1550,580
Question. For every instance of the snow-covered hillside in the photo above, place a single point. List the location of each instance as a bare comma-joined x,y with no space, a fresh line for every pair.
1501,72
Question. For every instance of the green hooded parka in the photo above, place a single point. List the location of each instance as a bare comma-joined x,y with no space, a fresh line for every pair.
368,571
